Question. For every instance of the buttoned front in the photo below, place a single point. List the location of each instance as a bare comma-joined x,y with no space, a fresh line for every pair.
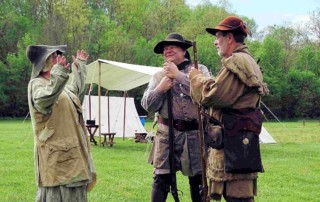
187,151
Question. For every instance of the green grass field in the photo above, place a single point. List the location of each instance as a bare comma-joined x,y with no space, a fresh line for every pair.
292,166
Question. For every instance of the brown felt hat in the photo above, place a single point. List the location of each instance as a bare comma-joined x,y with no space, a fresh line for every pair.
38,55
172,39
232,24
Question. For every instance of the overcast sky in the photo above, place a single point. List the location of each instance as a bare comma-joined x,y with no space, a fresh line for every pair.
271,12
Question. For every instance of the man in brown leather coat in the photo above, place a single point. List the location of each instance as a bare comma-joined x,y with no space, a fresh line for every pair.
238,86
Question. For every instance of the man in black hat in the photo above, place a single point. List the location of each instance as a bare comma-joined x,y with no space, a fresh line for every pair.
63,161
177,64
233,98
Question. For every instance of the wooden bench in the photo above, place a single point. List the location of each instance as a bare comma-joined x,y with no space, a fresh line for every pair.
108,139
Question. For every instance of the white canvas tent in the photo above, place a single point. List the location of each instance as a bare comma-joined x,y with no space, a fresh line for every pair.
119,76
124,121
265,137
116,76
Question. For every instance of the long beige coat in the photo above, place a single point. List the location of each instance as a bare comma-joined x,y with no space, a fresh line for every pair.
62,150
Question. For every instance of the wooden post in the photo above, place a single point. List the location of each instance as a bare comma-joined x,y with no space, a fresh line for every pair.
108,94
99,94
124,114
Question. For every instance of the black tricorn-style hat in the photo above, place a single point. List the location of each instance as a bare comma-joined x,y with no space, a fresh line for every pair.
172,39
232,24
38,55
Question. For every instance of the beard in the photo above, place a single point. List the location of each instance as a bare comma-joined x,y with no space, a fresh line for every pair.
221,53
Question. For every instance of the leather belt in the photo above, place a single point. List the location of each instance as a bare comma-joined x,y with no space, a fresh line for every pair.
180,125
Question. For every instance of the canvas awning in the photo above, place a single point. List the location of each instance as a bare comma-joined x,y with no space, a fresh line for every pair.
119,76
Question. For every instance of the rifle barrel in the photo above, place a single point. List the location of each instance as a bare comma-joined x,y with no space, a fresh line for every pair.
201,136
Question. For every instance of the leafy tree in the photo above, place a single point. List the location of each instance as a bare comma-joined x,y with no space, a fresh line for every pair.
315,24
17,75
308,58
298,93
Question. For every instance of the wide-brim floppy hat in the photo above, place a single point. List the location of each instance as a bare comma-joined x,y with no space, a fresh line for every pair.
232,24
172,39
38,54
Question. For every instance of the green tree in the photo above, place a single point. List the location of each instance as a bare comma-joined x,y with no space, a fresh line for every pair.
299,93
14,82
308,58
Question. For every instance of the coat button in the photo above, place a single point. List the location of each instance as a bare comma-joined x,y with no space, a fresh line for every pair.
245,141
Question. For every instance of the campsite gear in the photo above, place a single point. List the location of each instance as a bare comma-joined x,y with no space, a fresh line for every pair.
241,140
120,115
172,39
214,137
213,131
173,184
204,188
91,122
232,24
38,55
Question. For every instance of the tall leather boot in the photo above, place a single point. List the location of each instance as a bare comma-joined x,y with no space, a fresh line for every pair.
195,183
232,199
160,188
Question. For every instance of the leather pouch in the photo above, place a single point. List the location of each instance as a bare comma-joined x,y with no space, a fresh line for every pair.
214,136
241,141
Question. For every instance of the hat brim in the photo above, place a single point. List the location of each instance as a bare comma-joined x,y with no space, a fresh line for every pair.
38,66
160,46
214,30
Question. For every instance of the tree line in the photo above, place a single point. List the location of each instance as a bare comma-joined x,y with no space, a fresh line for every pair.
127,31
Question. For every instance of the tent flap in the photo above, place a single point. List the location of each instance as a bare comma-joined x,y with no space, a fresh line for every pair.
119,76
265,137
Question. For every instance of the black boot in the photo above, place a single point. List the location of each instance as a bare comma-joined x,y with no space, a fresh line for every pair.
195,188
232,199
160,188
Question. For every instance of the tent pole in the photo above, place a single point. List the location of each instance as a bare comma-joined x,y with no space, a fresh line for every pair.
90,101
108,111
99,94
124,113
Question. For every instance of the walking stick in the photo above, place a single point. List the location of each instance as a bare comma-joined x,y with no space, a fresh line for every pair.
201,138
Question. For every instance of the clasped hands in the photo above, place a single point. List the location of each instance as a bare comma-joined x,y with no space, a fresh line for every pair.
171,72
81,55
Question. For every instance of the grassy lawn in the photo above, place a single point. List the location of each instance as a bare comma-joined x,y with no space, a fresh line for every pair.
292,166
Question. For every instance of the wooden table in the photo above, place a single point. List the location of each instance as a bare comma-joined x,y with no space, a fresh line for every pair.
91,133
110,139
